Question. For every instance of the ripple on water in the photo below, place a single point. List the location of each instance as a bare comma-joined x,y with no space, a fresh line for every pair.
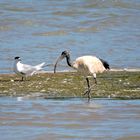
69,119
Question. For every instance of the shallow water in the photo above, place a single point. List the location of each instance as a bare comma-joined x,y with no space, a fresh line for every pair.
40,30
101,119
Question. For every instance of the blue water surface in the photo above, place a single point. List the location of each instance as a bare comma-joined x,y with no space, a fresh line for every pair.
75,118
40,30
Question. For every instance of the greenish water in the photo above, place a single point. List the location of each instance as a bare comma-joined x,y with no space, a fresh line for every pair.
39,30
68,119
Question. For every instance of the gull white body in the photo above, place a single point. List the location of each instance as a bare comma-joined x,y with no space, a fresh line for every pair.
25,70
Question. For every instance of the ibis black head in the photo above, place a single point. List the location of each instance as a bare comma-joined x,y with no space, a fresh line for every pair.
65,53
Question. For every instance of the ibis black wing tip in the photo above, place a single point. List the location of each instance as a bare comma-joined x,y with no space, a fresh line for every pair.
105,64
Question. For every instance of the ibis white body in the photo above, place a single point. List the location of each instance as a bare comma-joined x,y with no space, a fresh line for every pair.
88,65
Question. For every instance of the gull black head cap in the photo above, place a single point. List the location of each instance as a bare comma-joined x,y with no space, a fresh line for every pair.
17,58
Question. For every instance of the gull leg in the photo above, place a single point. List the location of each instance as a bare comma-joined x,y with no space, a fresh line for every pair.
23,78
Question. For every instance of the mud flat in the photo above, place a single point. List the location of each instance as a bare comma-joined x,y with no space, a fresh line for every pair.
122,84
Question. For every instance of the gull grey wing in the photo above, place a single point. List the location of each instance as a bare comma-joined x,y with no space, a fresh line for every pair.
27,69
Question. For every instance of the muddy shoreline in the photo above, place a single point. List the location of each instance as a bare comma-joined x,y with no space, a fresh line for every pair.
122,84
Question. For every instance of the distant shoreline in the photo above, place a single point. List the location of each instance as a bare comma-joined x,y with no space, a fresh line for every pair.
126,69
111,70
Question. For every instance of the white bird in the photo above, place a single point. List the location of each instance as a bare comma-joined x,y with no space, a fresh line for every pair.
86,65
25,70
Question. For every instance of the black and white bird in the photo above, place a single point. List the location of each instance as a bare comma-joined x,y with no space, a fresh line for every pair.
25,70
86,65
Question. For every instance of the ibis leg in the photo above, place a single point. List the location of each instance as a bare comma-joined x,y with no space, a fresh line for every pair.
94,75
88,91
88,83
95,80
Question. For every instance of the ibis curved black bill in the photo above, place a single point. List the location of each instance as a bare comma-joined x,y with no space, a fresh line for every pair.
57,61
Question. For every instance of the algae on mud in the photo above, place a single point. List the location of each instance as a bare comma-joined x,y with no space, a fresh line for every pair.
120,84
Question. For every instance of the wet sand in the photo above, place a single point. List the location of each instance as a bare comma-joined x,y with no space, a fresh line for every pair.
124,84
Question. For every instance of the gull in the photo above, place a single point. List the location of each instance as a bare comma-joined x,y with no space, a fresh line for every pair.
25,70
